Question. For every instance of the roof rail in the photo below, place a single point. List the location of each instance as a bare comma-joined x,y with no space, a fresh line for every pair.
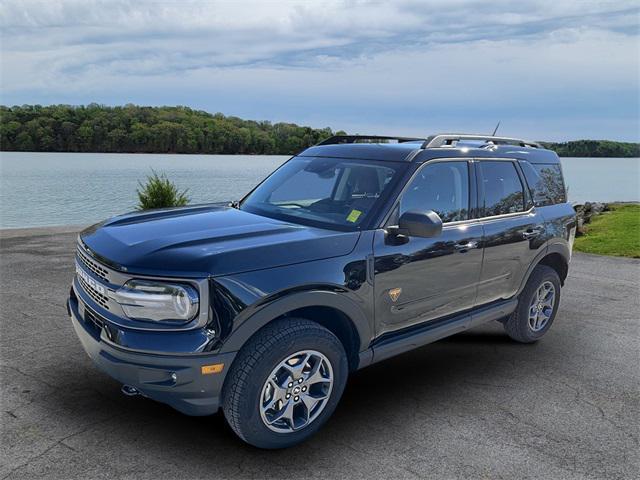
450,139
336,139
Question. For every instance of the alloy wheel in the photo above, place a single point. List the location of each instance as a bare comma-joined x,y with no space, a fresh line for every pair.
296,391
541,306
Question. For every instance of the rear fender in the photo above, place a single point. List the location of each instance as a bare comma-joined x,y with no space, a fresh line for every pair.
561,248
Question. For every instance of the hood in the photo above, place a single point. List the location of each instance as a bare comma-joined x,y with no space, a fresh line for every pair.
209,240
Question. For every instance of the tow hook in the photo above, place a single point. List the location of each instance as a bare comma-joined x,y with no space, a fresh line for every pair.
130,391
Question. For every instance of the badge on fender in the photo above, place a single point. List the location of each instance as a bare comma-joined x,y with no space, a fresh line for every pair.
394,293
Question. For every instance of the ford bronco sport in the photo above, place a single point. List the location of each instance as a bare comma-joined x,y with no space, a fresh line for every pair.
354,250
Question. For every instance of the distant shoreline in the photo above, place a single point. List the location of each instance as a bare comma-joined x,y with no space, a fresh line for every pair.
131,129
235,154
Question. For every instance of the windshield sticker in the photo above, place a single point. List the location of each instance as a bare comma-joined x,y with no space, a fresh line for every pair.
354,216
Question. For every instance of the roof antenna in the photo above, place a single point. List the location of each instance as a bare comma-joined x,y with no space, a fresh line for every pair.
495,129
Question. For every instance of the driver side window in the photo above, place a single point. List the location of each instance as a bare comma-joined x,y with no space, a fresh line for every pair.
442,187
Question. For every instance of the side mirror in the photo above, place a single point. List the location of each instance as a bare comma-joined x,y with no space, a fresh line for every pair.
420,224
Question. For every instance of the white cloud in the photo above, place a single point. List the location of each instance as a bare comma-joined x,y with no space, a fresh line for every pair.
329,62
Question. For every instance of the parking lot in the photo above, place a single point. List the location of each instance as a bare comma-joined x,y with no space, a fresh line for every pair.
476,405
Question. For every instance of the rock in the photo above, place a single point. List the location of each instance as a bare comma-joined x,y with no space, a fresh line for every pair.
586,211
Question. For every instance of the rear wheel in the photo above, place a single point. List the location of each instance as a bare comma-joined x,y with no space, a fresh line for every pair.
537,306
285,383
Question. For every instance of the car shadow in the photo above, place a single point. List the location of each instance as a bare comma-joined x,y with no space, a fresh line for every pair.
434,372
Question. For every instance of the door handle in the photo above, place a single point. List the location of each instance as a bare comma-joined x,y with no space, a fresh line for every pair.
531,233
463,247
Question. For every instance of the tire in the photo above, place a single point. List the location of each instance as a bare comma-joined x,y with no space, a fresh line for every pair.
264,357
524,325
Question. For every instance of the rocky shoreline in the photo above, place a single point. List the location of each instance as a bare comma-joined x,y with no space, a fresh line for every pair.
586,211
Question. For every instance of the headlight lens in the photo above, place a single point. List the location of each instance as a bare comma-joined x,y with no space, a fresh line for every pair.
158,301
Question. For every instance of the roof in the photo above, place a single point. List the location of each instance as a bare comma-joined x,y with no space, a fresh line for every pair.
532,155
394,152
410,150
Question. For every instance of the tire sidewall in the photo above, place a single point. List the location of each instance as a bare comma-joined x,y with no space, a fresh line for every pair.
253,428
541,274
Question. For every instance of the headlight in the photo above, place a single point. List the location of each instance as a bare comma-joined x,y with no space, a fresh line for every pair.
157,301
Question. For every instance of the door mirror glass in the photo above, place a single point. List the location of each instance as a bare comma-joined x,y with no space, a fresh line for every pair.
420,224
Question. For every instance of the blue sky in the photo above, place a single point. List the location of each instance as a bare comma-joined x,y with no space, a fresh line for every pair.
549,70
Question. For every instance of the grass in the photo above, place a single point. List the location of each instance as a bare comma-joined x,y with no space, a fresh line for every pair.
616,232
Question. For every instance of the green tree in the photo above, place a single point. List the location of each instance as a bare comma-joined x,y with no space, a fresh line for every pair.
160,192
132,128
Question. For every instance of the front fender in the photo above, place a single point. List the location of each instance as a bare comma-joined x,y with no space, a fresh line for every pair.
278,307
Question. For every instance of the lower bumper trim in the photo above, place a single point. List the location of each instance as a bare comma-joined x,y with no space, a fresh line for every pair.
176,380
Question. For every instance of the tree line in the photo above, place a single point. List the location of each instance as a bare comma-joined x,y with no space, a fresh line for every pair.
136,129
595,148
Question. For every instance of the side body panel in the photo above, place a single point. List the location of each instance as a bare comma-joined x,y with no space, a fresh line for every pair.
245,302
560,231
508,253
436,277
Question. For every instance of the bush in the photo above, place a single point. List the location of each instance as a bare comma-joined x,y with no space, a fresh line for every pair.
160,192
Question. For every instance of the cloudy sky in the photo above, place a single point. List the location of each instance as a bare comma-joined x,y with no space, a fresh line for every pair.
552,70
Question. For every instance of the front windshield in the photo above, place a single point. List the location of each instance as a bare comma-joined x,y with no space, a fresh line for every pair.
329,192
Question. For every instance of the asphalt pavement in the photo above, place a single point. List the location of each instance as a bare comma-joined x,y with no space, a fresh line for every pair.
476,405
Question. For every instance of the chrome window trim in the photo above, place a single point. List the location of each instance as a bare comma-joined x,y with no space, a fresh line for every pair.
471,221
507,215
116,315
530,211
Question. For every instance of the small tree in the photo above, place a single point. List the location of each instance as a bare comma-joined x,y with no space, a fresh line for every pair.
160,192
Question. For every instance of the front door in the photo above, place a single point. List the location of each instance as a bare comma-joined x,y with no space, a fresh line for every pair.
429,278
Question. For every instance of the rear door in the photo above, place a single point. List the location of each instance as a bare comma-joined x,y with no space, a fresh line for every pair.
514,230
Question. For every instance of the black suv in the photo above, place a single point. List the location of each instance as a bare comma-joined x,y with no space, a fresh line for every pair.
355,250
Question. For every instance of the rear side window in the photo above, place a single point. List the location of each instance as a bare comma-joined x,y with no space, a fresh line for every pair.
545,182
503,190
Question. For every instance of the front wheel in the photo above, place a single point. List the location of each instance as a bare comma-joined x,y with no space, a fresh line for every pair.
285,383
537,306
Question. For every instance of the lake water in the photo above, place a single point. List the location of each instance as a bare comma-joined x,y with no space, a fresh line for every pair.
41,189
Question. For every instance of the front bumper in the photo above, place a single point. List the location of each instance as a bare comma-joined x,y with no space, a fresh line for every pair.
192,392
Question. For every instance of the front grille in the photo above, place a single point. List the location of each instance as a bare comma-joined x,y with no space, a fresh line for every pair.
99,298
95,267
94,318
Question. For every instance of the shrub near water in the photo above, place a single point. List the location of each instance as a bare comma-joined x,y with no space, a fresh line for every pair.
160,192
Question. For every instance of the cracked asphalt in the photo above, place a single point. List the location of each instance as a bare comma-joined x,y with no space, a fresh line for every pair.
475,405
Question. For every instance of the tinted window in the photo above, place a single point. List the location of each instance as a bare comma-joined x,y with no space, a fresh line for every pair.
441,187
503,192
545,183
323,191
304,186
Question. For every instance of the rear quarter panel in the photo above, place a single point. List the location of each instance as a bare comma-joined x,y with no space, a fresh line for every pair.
560,231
